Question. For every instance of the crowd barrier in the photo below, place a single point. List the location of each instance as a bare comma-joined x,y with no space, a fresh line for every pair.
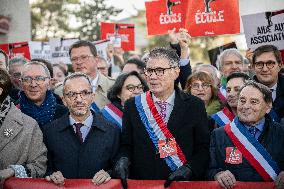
29,183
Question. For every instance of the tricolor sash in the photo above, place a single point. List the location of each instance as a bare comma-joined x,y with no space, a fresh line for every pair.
157,128
113,114
95,107
223,117
252,150
222,94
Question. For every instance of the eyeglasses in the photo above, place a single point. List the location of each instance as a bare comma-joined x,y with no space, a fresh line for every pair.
196,86
82,58
37,79
158,71
269,64
131,88
73,95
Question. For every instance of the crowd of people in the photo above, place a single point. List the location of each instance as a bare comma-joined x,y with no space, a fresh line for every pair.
154,117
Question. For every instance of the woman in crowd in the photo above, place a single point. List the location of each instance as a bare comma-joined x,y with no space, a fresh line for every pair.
23,153
126,85
200,84
59,73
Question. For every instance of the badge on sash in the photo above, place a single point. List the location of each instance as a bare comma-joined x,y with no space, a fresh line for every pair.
167,147
233,156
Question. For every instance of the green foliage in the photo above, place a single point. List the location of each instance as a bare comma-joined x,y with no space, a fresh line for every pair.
51,18
90,14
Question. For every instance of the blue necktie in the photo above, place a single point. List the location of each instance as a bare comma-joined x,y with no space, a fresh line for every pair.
252,130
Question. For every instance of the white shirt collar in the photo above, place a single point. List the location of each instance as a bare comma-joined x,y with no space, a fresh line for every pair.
95,83
274,87
170,100
88,122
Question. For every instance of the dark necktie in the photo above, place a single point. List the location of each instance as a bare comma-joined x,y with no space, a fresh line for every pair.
252,130
78,131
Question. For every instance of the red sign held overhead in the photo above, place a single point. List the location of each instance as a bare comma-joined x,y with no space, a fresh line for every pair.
119,34
16,49
200,18
212,17
164,15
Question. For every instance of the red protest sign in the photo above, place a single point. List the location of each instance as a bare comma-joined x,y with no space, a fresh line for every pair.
16,49
119,33
210,18
164,15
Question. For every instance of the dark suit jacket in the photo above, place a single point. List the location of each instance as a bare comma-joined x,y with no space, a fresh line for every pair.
76,160
278,104
185,71
188,125
272,138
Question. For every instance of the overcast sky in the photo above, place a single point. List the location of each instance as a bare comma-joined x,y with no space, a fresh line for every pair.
128,6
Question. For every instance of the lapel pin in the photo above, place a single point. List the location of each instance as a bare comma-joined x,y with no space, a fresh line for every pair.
8,132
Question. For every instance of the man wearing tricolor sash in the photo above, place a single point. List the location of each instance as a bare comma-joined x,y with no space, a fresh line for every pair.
250,148
164,131
234,82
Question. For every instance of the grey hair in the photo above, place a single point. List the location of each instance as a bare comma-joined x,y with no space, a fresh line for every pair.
267,94
145,57
39,64
226,53
169,54
76,75
18,59
215,72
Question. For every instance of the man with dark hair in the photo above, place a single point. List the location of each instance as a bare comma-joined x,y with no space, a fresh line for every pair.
92,141
157,142
134,64
83,55
266,63
250,148
234,82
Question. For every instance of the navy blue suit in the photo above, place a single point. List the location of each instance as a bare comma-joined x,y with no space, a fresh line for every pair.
76,160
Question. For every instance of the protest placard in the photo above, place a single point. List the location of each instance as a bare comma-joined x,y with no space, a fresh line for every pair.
212,17
119,34
40,49
164,15
264,28
16,49
60,49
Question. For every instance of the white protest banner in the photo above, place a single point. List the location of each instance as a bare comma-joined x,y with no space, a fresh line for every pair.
264,28
59,49
40,49
101,47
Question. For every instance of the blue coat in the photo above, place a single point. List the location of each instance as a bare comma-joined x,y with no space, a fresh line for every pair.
76,160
